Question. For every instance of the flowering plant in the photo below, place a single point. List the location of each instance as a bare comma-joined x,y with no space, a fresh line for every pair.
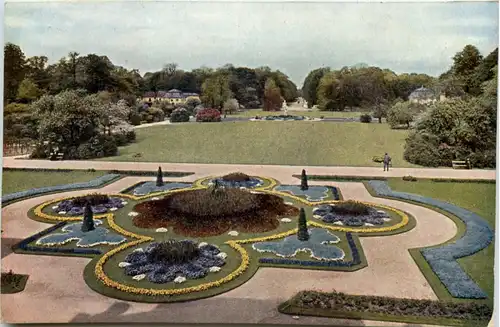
208,115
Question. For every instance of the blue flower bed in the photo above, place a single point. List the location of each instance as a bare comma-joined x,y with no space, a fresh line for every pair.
59,188
73,232
150,187
356,259
313,194
329,216
163,272
75,210
442,259
319,245
23,245
252,183
284,117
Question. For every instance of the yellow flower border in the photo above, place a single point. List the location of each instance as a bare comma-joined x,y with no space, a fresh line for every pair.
235,244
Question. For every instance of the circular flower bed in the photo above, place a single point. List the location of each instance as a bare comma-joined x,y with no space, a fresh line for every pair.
100,203
351,213
285,117
237,180
211,212
174,261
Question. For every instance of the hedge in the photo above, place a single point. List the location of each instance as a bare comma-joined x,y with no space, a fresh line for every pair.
58,188
23,245
442,259
341,178
114,171
356,259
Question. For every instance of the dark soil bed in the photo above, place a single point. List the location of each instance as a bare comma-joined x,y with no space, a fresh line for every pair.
209,212
13,283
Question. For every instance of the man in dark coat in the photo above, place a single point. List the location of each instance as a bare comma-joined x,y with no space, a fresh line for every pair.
387,161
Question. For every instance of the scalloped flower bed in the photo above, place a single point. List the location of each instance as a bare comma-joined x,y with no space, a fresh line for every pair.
67,207
356,258
313,194
442,259
58,188
252,183
285,118
73,232
318,245
374,217
150,187
160,272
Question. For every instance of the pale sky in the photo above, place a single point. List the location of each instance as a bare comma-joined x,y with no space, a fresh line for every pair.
293,37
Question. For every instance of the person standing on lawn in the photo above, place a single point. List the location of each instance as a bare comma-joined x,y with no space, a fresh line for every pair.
387,161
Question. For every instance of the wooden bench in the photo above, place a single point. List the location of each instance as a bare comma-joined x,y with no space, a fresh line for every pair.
461,164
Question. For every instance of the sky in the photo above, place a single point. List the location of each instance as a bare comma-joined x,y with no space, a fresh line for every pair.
294,37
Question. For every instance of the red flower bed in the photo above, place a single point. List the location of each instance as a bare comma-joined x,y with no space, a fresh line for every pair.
208,115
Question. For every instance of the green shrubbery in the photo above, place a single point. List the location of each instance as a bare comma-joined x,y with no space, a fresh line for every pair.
365,118
351,208
179,115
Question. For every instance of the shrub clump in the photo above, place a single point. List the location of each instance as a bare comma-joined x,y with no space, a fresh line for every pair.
236,177
179,115
213,211
352,208
409,178
208,115
94,199
365,118
174,252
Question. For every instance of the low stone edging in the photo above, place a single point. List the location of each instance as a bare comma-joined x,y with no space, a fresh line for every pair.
442,259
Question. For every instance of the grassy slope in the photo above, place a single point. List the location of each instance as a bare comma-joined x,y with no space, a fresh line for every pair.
282,143
15,181
476,197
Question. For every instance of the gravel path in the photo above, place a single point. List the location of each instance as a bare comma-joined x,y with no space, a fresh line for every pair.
57,281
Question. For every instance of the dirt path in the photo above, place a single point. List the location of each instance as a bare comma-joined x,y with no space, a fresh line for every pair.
270,170
56,281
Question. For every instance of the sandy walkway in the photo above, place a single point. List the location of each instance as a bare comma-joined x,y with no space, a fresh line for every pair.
56,291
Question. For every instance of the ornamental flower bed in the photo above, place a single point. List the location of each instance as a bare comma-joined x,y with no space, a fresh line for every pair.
73,232
165,262
208,115
75,207
335,214
442,259
312,194
227,181
285,117
150,187
318,245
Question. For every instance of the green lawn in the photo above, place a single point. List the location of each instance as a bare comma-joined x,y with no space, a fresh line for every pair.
314,113
15,181
281,143
476,197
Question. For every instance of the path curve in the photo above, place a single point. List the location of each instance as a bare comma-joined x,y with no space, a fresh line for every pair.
391,271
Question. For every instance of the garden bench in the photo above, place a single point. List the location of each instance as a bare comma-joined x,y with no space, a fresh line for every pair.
461,164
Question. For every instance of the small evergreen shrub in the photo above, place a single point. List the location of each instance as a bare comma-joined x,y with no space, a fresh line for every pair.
303,181
303,233
135,119
88,218
409,178
179,115
365,118
236,177
208,115
159,178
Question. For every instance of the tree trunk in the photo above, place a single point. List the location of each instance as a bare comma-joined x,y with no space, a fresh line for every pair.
380,120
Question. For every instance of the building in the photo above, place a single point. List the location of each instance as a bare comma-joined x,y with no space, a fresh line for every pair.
423,95
173,96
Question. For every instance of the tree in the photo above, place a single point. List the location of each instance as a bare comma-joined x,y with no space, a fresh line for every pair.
380,111
14,70
28,91
310,86
464,66
231,105
303,233
159,178
216,91
400,114
272,96
36,70
88,218
303,181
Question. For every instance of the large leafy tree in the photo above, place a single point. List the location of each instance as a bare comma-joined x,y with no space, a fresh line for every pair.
14,70
311,83
272,96
28,91
216,90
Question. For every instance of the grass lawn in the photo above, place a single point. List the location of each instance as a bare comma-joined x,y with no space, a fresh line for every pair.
313,113
476,197
279,143
16,181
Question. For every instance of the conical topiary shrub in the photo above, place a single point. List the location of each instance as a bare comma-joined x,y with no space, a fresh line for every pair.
303,181
159,178
88,218
303,233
